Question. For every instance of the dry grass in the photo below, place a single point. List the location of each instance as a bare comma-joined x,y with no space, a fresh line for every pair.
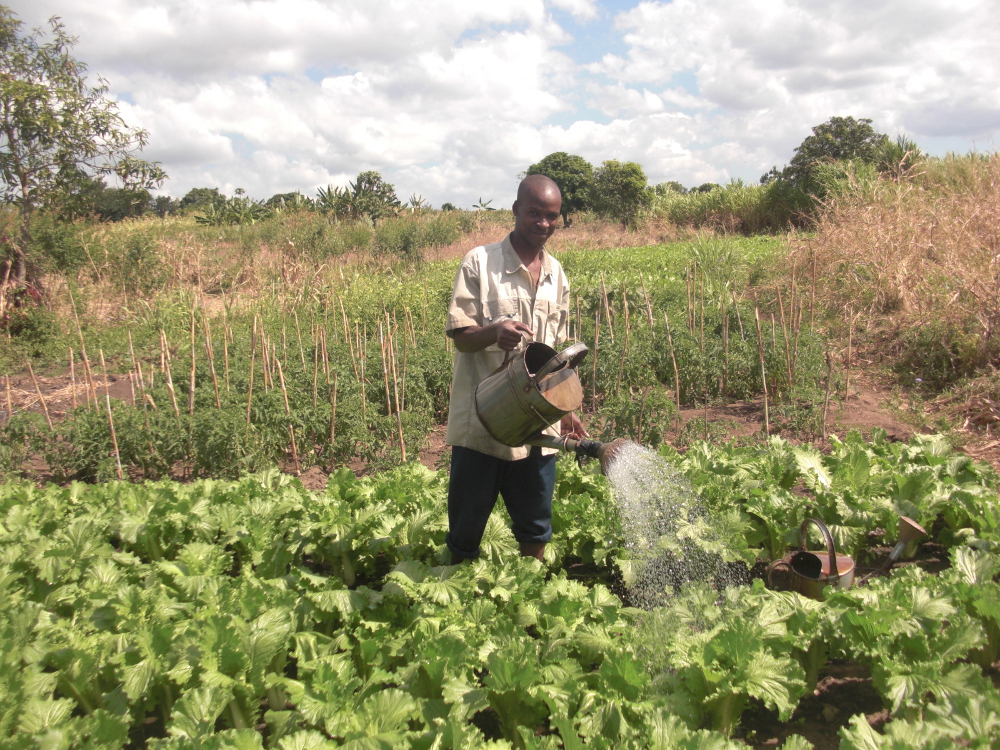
921,248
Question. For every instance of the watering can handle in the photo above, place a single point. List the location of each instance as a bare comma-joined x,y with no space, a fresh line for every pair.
570,356
828,538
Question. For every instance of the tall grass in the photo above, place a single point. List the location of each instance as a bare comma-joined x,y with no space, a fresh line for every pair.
922,252
737,208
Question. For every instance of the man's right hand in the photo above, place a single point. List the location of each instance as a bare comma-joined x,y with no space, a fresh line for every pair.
510,333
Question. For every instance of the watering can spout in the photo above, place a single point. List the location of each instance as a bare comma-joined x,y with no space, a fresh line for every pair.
582,447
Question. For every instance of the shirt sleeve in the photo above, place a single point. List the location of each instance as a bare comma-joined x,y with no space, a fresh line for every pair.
466,308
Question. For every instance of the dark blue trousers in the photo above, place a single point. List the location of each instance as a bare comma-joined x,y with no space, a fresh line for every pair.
477,478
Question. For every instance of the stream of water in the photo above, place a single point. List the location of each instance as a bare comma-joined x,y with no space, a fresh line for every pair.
666,525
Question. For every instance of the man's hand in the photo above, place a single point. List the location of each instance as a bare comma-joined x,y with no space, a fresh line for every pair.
506,334
510,333
570,426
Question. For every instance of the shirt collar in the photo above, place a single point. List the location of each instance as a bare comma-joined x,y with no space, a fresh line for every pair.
512,262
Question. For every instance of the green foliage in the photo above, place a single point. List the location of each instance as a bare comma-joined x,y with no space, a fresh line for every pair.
837,139
55,130
369,197
573,174
619,191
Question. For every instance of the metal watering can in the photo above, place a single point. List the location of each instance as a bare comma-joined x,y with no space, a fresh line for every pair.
531,390
808,572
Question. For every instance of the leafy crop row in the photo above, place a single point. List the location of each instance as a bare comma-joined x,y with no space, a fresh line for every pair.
253,613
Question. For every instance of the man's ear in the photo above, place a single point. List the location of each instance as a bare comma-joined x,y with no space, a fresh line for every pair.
513,207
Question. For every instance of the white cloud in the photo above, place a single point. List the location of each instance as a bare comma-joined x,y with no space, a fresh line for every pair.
452,99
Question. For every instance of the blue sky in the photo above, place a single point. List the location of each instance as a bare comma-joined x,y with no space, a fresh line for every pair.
451,99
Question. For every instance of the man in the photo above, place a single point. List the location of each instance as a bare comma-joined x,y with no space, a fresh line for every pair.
506,294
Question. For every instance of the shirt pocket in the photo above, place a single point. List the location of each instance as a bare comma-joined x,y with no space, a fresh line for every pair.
547,319
497,309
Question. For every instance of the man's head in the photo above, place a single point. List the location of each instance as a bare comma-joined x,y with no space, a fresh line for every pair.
536,210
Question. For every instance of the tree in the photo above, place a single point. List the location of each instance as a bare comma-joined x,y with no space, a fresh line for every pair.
196,198
665,188
619,191
56,132
573,174
839,138
368,197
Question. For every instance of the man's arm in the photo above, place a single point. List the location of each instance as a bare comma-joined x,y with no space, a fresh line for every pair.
506,334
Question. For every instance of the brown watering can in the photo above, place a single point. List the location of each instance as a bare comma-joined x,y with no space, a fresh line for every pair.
810,572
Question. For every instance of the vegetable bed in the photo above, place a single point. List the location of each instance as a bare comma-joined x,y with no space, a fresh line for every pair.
254,613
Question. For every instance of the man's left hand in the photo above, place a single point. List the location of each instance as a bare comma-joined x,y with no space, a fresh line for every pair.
570,426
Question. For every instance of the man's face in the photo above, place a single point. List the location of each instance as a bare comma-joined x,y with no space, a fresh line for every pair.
536,217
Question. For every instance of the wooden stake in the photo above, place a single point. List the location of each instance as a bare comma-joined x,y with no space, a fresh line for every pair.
597,342
788,354
677,375
315,367
72,379
763,369
649,303
191,381
114,438
253,356
333,418
739,319
104,372
812,293
225,352
607,309
211,364
165,352
395,389
385,369
298,335
326,356
826,396
850,355
579,320
288,413
10,403
38,390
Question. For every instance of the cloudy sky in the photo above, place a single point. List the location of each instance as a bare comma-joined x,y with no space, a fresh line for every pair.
451,99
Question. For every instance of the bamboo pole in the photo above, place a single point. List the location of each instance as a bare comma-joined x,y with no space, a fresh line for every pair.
41,398
579,320
423,317
763,369
621,365
72,379
343,312
135,363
